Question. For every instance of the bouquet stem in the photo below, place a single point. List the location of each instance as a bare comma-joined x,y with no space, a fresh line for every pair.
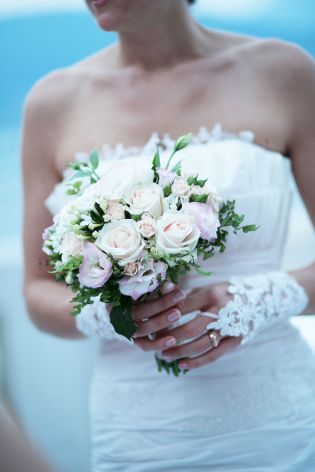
169,367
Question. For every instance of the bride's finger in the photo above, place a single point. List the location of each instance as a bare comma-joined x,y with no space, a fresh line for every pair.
226,345
156,345
157,323
192,348
151,308
192,329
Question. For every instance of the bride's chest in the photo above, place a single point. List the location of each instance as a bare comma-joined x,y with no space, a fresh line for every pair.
130,110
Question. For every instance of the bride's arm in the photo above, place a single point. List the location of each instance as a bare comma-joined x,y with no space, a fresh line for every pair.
48,301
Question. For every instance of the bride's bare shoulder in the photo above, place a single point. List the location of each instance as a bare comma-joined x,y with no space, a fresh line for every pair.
284,63
59,90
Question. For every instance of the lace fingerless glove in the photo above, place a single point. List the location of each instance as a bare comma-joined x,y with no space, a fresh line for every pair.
93,321
258,301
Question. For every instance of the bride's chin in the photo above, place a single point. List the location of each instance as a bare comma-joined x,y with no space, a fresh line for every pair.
108,22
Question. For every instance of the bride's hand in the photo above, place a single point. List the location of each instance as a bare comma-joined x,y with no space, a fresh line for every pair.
154,315
205,299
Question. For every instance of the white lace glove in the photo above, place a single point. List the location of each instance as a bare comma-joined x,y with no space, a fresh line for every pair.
259,301
93,321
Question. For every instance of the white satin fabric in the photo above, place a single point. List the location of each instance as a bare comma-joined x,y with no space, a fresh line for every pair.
254,408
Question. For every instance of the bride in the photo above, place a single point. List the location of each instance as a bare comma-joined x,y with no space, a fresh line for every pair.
247,402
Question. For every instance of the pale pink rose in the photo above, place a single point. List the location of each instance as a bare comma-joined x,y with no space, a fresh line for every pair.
145,198
146,225
115,211
96,267
176,233
131,269
205,219
180,187
145,281
165,177
122,240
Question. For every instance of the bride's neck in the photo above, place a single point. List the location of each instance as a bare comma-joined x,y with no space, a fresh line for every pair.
170,36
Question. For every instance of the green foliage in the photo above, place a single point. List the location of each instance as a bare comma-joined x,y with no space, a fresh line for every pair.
193,180
169,366
71,265
249,228
83,169
94,159
178,168
120,317
199,198
156,163
167,190
181,143
75,188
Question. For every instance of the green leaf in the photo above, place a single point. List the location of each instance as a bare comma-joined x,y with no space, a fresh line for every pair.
192,180
120,317
167,190
80,173
177,168
248,228
199,198
94,159
183,141
201,183
156,163
202,272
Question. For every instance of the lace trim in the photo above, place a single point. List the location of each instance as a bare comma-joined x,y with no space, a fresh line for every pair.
259,301
166,141
93,321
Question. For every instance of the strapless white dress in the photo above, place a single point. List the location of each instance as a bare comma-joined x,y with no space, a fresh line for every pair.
254,408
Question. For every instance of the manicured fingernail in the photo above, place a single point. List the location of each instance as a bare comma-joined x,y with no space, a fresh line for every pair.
183,366
167,358
170,342
168,287
174,315
178,296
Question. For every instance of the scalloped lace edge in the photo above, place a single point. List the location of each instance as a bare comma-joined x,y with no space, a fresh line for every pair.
166,141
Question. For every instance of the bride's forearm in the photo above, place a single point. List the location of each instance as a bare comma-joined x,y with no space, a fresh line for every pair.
306,278
49,306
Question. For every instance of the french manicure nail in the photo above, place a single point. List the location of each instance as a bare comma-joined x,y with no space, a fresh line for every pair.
170,342
178,296
174,315
167,358
168,287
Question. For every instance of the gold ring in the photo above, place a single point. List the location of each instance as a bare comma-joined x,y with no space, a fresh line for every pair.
214,338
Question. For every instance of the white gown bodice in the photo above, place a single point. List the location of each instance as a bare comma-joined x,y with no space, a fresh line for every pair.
264,385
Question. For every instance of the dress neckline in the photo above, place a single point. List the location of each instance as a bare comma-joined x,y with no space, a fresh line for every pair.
166,141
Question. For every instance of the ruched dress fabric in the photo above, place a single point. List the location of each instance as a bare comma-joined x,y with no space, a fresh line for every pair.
254,408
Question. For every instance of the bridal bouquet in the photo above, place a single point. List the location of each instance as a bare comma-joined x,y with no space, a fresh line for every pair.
130,226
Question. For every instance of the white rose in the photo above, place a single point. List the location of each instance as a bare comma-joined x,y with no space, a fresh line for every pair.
122,240
180,186
88,198
120,177
115,211
146,225
70,246
146,198
176,233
